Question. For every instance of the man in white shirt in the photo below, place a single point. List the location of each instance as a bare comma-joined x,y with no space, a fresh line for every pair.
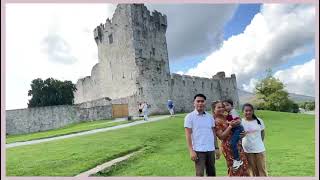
201,139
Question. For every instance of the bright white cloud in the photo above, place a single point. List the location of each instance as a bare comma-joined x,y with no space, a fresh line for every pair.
299,79
56,40
251,86
180,72
49,40
276,34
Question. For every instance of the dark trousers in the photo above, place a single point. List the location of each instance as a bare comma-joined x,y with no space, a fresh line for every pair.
205,161
234,141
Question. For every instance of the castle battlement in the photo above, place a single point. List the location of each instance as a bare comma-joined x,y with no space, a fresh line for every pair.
137,15
134,63
218,76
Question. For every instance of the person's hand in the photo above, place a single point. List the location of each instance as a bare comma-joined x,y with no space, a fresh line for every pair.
243,134
235,123
236,118
193,156
218,154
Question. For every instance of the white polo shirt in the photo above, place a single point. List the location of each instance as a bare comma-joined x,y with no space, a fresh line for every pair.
202,134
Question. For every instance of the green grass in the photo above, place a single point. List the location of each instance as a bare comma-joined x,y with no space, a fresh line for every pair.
69,129
289,142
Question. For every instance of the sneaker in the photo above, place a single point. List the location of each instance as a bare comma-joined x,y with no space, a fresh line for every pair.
236,164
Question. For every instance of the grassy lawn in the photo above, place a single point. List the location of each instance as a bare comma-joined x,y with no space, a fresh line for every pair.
69,129
289,142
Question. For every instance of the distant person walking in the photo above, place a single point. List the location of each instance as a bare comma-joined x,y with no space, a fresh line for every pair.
252,143
145,111
170,107
140,107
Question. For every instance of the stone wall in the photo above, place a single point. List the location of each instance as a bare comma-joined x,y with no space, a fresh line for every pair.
151,58
134,65
21,121
114,76
184,88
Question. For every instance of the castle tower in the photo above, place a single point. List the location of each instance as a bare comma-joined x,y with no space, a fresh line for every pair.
151,57
134,66
133,58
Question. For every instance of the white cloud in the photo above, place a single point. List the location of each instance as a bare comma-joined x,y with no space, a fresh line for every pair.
56,40
251,86
299,79
276,34
180,72
33,29
49,40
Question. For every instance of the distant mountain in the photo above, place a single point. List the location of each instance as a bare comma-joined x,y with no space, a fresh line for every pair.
245,96
300,98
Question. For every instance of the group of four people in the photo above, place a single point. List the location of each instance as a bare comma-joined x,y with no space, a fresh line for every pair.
241,139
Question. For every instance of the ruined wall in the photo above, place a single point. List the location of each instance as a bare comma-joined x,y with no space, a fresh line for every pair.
184,88
151,58
21,121
114,76
228,87
134,65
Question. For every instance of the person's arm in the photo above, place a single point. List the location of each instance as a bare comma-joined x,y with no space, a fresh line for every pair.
235,122
193,154
216,145
262,135
222,135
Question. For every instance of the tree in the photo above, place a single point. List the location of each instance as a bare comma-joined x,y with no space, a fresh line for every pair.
295,108
308,106
270,91
51,92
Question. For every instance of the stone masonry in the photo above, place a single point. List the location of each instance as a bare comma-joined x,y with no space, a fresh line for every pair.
133,65
29,120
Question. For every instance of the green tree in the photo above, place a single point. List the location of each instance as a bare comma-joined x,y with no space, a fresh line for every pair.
270,91
310,106
295,108
51,92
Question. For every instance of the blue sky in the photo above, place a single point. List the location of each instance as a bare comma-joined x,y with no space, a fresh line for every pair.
235,26
241,18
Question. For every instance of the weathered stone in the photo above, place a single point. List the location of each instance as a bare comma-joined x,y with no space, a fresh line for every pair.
21,121
134,65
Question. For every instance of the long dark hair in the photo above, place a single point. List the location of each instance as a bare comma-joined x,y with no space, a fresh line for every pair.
253,115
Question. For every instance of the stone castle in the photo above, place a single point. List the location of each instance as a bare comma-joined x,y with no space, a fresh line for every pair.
133,66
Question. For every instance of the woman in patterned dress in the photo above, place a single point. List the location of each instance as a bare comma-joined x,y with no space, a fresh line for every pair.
223,132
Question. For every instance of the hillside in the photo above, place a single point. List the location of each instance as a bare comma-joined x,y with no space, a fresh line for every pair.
245,96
